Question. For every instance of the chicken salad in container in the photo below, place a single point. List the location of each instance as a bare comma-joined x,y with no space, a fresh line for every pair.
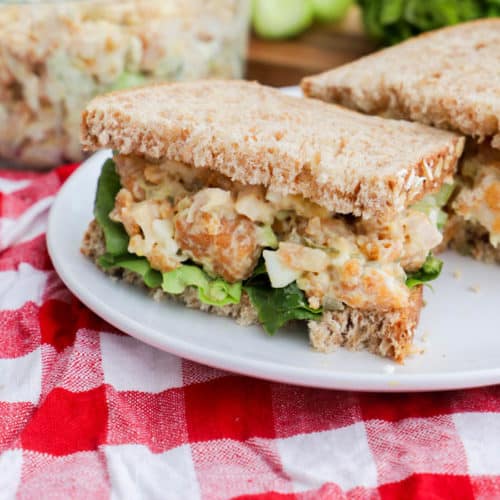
56,55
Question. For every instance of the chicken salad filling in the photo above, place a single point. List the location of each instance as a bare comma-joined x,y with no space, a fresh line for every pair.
478,200
55,56
195,227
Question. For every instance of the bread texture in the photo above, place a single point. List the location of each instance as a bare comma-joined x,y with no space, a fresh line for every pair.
386,334
449,78
344,161
470,238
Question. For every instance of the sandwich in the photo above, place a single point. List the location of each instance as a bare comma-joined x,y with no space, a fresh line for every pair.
449,78
236,199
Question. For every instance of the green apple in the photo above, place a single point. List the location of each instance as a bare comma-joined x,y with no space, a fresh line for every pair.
328,11
276,19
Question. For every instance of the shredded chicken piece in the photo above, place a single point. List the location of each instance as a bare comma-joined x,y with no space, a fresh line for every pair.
209,230
406,238
149,225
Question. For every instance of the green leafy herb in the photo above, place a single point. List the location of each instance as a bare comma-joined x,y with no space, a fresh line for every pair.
216,292
108,186
394,20
428,272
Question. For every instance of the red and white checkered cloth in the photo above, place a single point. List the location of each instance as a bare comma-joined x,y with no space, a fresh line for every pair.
87,412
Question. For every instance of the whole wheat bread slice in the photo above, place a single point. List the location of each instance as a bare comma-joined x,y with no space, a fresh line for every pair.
344,161
449,78
470,238
388,334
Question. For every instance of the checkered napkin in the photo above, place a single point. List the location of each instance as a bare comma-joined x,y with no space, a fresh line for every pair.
87,412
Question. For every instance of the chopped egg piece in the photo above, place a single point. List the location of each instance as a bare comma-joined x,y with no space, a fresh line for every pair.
279,273
149,225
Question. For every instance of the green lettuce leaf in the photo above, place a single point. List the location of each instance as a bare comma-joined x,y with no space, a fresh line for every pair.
215,292
390,12
394,20
277,306
116,238
428,272
131,262
108,186
432,205
444,194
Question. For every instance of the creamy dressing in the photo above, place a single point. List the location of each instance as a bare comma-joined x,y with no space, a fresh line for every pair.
173,212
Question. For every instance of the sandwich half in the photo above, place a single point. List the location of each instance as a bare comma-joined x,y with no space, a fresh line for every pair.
236,199
449,78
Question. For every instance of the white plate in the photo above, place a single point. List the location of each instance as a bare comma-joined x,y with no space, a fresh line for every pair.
459,329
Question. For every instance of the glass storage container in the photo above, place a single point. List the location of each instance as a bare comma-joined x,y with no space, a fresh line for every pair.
56,55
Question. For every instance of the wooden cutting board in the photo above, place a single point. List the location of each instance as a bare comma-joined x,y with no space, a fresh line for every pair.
320,48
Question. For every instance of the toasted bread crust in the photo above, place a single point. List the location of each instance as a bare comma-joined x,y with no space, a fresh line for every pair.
448,78
344,161
386,334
